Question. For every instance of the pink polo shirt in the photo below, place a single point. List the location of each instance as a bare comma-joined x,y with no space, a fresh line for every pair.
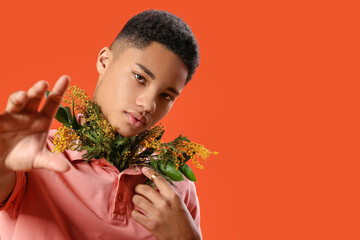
90,201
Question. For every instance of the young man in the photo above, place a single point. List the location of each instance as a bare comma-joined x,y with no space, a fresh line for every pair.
48,196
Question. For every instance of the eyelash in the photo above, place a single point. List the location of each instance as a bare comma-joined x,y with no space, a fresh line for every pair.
143,81
167,97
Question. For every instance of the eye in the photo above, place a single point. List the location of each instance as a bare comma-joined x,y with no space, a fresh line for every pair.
167,97
140,78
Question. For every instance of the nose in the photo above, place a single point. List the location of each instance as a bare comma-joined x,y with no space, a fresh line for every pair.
147,102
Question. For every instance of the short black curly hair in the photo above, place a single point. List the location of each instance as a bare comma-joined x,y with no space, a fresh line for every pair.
165,28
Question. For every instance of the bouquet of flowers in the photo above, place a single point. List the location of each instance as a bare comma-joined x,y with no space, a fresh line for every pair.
94,134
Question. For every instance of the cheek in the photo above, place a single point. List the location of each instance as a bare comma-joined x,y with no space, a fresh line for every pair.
163,109
119,92
107,97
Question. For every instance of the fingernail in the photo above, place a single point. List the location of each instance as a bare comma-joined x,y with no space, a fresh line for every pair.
145,169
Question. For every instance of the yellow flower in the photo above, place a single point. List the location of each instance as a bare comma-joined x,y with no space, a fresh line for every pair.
194,151
153,132
65,138
78,97
149,138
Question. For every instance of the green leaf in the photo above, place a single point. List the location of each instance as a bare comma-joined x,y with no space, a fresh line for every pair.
93,133
68,112
62,117
187,157
125,149
75,124
120,140
186,170
172,148
87,148
101,133
169,170
180,138
147,152
160,135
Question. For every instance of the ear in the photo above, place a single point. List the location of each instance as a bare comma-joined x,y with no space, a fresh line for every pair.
103,60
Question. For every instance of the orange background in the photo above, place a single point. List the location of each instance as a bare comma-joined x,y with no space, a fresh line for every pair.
276,93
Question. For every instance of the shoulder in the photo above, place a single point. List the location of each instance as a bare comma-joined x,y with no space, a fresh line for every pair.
187,191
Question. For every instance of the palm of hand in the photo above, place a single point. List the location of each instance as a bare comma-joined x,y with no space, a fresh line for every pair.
25,145
23,129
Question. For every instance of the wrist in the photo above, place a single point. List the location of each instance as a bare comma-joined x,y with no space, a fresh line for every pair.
192,235
196,236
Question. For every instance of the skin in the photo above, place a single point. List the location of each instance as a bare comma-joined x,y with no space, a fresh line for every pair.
23,132
125,88
164,210
132,99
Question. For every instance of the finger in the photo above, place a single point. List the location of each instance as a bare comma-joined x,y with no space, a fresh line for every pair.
51,161
141,218
16,102
148,192
144,204
54,98
35,94
161,183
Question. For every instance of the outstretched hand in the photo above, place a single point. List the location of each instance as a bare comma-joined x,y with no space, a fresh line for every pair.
24,129
163,213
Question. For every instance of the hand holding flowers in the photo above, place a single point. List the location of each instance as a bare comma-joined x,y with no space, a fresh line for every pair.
163,212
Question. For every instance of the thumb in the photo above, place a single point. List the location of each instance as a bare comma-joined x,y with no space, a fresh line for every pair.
51,161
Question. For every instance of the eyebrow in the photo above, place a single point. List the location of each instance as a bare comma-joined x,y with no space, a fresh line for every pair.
173,91
152,75
146,70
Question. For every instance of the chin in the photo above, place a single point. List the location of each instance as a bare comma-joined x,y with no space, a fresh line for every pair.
130,133
124,129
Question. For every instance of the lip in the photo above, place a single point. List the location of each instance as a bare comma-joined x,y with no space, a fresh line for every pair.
135,119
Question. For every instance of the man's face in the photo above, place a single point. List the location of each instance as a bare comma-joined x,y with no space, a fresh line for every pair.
137,89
